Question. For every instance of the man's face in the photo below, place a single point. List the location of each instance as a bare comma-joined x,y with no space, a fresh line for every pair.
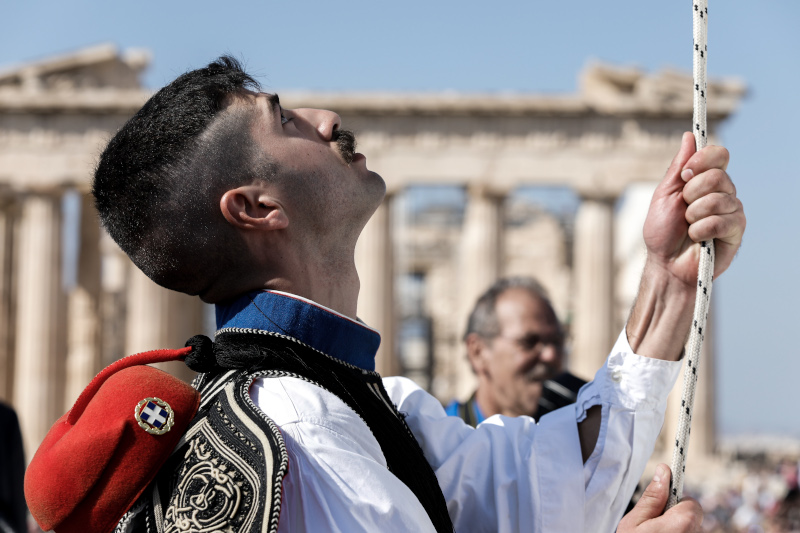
324,181
513,366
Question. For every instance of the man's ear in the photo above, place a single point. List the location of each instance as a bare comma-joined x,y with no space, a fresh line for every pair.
476,353
252,207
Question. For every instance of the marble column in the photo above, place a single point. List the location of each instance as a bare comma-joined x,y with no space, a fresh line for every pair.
481,256
702,442
375,264
593,334
160,318
83,306
39,353
113,299
8,209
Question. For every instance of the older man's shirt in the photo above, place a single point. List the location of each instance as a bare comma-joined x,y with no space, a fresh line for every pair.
508,474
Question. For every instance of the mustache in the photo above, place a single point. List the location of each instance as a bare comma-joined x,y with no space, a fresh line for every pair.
346,143
540,372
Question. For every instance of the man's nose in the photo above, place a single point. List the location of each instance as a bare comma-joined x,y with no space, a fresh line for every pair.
325,122
550,354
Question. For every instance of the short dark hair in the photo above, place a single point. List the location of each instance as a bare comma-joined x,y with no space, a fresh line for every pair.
483,318
159,180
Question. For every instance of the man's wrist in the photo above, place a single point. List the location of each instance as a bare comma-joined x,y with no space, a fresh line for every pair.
662,314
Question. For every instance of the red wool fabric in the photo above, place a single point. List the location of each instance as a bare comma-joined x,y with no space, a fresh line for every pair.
96,460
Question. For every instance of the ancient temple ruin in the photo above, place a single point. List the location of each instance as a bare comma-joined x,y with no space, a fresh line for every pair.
71,302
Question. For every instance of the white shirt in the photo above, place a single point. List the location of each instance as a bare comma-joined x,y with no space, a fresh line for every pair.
506,475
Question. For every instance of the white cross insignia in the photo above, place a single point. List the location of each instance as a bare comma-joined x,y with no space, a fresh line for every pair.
154,415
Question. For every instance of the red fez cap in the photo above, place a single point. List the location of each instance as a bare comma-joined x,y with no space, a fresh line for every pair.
98,458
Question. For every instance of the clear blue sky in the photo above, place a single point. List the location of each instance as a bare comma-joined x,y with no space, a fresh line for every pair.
520,46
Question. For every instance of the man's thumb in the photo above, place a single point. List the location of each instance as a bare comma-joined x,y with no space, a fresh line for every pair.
654,499
672,178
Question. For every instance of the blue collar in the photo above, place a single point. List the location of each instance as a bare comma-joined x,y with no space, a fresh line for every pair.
321,328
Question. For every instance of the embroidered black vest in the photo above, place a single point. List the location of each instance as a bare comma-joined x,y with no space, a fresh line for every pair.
227,470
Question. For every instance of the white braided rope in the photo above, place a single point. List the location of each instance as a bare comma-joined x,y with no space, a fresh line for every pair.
706,269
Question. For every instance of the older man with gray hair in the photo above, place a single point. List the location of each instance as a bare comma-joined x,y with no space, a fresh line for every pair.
515,345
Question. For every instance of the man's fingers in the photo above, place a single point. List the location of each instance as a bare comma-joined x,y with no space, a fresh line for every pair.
686,517
652,502
710,181
646,517
707,158
728,228
713,204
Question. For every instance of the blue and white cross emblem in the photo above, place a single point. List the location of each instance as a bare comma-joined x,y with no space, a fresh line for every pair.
154,415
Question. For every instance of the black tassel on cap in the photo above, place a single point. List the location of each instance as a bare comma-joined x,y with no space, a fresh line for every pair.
201,358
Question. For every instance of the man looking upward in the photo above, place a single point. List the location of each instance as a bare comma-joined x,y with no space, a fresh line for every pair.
214,189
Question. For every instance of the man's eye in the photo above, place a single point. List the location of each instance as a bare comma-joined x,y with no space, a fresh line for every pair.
530,342
284,120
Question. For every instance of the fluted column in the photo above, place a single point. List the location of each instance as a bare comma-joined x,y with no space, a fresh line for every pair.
480,263
39,357
375,265
594,289
7,221
160,318
83,307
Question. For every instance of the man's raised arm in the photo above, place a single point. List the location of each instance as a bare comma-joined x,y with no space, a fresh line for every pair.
696,201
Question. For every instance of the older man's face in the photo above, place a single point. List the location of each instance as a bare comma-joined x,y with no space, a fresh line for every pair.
528,350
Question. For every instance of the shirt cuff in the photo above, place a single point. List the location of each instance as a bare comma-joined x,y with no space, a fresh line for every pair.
630,381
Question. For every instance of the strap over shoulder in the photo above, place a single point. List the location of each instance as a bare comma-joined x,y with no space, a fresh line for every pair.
226,474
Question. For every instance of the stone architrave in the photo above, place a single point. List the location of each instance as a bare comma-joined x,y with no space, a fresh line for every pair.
40,358
481,255
374,261
593,334
83,307
160,318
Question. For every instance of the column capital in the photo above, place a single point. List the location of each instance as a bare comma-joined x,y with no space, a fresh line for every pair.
9,197
486,190
41,191
597,195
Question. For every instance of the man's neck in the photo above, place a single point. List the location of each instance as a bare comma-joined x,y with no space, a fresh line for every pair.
338,297
326,276
489,406
485,402
331,283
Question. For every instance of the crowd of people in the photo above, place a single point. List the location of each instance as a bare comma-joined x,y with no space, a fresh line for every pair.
763,497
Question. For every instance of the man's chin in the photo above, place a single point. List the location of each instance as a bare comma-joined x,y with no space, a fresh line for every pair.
377,187
377,177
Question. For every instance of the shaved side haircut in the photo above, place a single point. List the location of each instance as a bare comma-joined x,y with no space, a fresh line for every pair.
158,183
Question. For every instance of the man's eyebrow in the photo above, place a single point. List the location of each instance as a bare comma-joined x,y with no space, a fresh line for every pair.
273,101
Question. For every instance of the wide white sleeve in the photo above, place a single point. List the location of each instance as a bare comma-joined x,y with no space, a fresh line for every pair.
512,474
